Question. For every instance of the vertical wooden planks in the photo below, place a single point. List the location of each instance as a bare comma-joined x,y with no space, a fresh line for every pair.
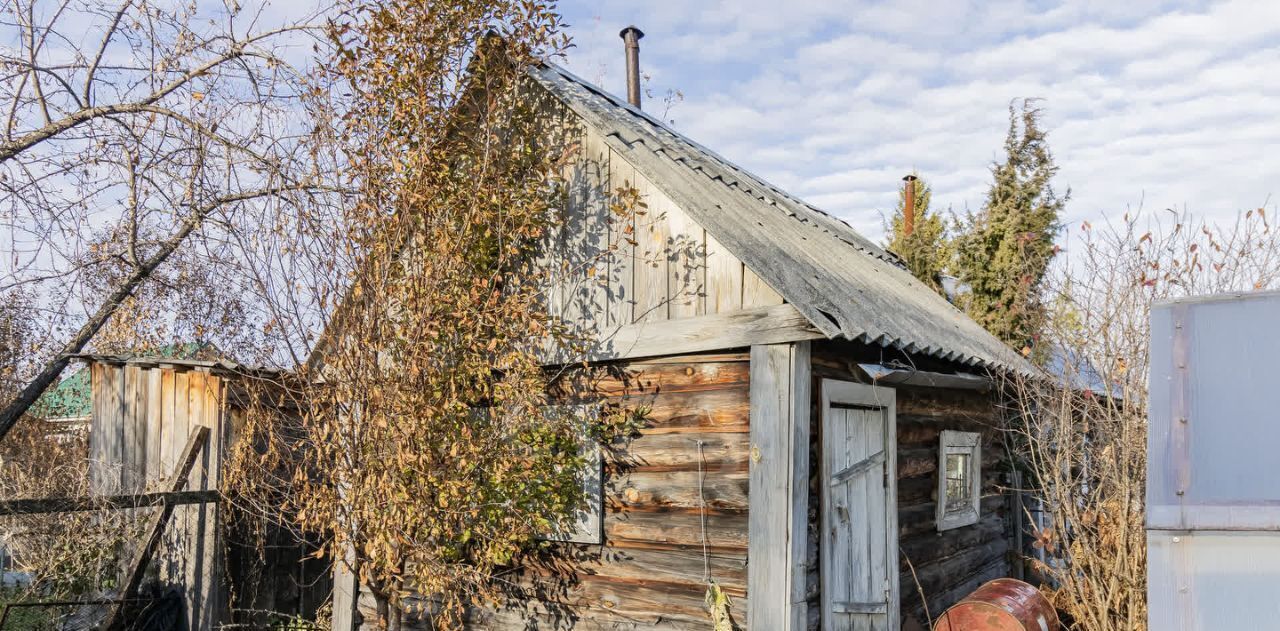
154,438
142,418
778,495
133,463
859,560
568,260
175,429
860,491
106,441
652,233
686,265
191,526
837,516
875,438
207,553
723,278
756,292
100,419
590,200
622,238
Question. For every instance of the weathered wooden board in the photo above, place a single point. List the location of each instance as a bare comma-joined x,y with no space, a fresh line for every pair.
858,447
610,269
676,530
723,278
712,332
658,453
650,258
685,262
622,241
779,485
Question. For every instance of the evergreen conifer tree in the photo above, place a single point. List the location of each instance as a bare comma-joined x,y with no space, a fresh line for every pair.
1003,251
925,250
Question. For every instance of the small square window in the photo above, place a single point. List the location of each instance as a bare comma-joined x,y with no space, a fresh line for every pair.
959,479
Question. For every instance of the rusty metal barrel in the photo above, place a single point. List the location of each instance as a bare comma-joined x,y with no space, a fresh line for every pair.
1004,604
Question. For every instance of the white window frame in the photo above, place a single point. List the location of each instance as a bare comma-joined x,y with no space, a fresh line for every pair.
965,443
589,528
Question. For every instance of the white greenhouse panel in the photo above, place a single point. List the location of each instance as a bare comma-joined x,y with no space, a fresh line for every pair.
1207,581
1214,440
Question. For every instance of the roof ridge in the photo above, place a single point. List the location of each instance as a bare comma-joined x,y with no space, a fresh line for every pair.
845,285
866,247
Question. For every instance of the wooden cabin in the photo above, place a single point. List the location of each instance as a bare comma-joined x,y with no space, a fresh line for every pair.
145,411
823,437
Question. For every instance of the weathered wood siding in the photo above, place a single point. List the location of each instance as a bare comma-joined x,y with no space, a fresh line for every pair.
142,418
613,270
229,569
949,564
648,573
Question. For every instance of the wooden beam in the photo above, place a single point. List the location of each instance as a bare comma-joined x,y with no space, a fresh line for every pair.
779,493
190,454
712,332
35,506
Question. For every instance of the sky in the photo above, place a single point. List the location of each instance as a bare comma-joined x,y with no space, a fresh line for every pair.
1149,105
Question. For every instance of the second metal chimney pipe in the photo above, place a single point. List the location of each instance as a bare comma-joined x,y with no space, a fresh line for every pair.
909,206
631,35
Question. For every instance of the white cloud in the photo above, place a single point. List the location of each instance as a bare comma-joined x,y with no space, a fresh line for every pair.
1147,102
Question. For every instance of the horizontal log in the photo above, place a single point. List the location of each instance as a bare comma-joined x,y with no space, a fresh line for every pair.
514,616
916,462
921,489
726,410
920,518
594,609
928,547
41,505
679,489
941,601
638,565
634,379
676,531
956,404
944,574
642,599
680,452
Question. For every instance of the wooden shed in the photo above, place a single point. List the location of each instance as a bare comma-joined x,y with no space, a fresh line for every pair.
145,411
824,436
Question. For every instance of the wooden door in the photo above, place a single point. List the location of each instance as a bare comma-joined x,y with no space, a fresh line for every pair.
859,547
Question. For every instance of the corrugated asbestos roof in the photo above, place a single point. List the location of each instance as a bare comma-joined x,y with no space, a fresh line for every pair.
847,286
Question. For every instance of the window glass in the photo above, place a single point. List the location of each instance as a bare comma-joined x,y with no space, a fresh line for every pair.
959,479
958,482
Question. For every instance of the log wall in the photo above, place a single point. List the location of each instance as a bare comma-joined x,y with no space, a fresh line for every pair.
943,566
649,572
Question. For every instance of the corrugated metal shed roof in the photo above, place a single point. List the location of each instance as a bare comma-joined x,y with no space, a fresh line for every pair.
847,286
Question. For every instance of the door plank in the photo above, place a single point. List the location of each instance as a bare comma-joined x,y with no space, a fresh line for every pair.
874,461
858,567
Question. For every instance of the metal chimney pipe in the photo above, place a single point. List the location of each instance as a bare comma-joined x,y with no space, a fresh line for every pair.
631,35
909,206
